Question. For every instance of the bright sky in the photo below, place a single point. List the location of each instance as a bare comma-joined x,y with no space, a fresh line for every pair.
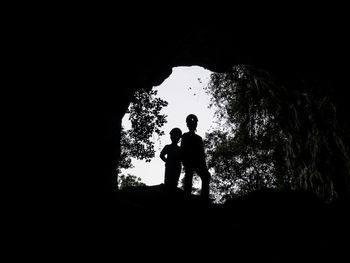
184,91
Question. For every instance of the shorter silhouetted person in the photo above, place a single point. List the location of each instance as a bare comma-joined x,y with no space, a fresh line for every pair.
171,155
192,151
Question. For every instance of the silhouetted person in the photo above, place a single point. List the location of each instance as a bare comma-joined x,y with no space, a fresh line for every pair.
193,158
171,155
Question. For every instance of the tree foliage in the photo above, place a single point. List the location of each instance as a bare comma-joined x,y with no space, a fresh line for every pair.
271,135
129,180
146,121
125,161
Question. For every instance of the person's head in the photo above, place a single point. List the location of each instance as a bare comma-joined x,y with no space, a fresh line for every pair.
191,122
175,135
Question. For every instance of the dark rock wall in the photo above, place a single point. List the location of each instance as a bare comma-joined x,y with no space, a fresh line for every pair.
78,69
91,60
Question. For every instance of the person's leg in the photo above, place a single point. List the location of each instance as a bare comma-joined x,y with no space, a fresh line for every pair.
167,176
173,180
205,178
176,176
188,181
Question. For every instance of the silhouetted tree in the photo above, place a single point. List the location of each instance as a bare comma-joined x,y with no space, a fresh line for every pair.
129,180
146,121
125,161
271,136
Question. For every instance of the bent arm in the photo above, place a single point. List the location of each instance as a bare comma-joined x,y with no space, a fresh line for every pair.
162,155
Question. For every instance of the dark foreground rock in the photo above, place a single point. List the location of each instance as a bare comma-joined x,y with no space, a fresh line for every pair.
150,224
279,226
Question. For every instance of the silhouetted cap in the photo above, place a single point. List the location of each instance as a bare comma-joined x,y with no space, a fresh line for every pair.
176,131
191,118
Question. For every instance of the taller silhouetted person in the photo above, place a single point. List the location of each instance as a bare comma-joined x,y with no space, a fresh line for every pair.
193,158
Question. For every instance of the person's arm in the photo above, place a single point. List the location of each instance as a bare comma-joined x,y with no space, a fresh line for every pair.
202,148
182,148
163,153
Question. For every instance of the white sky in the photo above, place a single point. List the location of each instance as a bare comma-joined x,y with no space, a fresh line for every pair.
185,94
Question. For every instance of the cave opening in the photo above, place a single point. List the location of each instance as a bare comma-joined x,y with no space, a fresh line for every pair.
301,120
184,91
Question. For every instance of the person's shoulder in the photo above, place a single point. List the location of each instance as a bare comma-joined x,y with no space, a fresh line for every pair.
166,147
173,148
198,137
192,135
185,135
